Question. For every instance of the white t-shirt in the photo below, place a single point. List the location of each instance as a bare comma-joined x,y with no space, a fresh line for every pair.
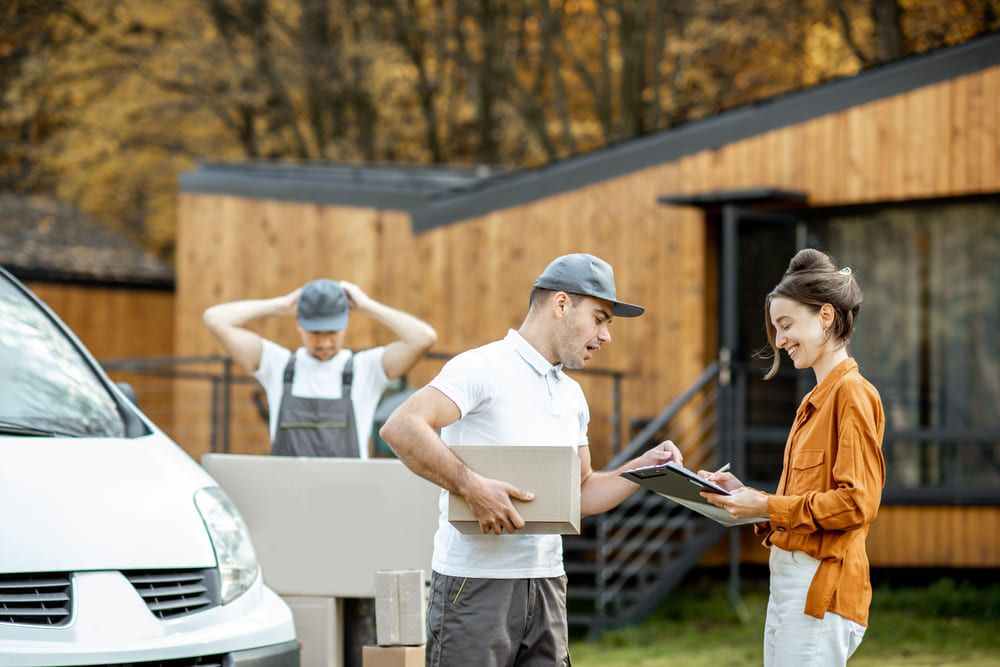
508,394
324,379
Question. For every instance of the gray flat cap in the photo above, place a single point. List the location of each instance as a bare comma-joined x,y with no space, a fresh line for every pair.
585,274
322,306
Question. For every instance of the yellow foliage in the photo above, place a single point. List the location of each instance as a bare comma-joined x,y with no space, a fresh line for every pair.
111,100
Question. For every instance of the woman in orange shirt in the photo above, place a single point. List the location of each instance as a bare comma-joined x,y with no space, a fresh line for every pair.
832,479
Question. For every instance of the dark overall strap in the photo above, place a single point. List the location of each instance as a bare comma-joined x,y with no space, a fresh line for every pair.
289,375
348,377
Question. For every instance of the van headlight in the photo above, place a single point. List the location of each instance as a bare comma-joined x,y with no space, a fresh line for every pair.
231,540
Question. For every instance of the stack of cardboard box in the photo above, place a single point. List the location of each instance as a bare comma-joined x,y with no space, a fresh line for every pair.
400,620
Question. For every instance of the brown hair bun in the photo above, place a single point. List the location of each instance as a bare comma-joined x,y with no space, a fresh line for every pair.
813,280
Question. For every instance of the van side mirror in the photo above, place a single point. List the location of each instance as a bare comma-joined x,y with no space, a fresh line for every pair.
134,427
129,392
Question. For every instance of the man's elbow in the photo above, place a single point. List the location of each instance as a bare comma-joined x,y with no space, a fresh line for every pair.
391,432
428,340
387,433
211,318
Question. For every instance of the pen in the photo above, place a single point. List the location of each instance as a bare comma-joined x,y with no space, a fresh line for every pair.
724,468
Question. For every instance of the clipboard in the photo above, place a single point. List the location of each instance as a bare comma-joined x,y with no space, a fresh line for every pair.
683,486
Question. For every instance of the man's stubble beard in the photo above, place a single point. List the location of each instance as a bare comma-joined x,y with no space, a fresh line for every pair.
566,349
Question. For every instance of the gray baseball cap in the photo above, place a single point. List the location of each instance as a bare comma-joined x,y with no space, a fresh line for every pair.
580,273
322,306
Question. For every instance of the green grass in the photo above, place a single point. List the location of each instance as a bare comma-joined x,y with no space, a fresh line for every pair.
943,624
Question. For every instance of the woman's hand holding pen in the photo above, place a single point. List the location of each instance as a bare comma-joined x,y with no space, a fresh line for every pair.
725,479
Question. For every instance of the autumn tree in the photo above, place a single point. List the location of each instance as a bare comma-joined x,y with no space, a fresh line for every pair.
104,102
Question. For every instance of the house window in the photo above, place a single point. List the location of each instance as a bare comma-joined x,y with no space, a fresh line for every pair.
929,335
928,338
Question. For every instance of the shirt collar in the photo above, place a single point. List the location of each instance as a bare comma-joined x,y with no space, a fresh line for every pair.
818,395
531,355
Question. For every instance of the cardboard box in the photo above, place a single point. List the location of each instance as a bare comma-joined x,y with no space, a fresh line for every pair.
325,526
551,472
400,608
318,628
392,656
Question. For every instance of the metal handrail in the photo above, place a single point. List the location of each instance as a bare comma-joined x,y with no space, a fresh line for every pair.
641,531
639,443
222,379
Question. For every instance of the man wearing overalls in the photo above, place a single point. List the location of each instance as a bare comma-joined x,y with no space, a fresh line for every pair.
321,397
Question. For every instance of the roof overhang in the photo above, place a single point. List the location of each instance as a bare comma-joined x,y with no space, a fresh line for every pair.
523,187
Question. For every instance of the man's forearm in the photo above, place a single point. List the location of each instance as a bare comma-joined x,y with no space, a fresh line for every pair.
418,446
408,328
239,313
604,490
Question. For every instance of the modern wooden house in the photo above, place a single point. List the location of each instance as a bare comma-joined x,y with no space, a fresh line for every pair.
895,171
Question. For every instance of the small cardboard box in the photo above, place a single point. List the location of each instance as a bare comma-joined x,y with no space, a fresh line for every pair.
392,656
551,472
400,608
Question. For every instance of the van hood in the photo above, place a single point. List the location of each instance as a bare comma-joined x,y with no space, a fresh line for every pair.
71,504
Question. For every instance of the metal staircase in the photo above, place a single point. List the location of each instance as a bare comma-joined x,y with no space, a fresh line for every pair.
626,561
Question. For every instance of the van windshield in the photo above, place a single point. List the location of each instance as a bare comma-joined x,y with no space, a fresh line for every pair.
46,385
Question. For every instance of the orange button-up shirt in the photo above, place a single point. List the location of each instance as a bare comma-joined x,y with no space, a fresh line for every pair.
830,490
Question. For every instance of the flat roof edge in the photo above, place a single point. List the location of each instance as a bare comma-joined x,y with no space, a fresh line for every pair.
709,133
299,191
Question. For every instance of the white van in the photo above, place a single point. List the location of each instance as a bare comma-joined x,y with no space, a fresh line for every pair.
115,547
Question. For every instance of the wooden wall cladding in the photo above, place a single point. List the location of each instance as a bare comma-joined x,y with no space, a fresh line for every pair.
114,322
909,536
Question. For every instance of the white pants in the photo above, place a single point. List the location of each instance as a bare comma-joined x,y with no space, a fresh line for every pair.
793,639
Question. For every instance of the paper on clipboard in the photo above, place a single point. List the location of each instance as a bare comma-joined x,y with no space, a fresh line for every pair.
683,487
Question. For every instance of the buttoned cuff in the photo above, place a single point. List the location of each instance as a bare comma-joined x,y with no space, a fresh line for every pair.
779,510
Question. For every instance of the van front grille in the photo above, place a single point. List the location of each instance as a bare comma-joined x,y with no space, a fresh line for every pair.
36,599
175,593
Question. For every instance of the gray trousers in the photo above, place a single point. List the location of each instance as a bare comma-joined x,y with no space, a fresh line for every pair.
497,622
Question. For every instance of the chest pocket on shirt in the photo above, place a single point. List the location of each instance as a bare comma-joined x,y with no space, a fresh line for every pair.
807,470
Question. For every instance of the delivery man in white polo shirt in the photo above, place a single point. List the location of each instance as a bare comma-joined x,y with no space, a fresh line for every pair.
498,599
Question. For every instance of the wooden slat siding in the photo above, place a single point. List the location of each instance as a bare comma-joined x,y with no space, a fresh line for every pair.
897,135
987,128
857,126
977,133
934,536
940,137
794,156
886,174
906,536
958,158
471,280
914,117
114,322
925,143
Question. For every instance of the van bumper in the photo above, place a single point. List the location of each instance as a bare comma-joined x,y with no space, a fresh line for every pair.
285,654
